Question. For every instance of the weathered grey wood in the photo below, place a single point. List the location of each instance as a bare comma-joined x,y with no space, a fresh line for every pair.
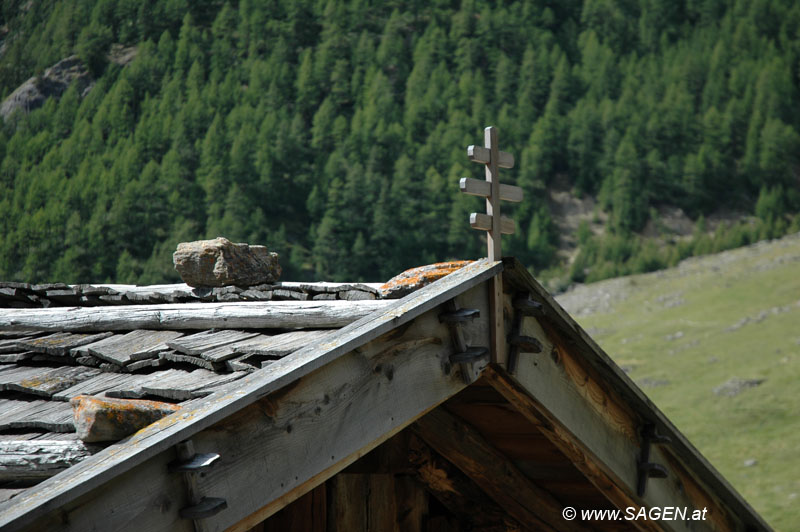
94,386
326,287
356,295
40,459
16,357
570,408
476,187
144,364
479,154
145,449
291,433
136,345
246,315
201,343
256,295
178,385
48,381
131,386
52,416
284,294
280,345
60,343
616,379
7,494
483,222
195,360
532,506
456,491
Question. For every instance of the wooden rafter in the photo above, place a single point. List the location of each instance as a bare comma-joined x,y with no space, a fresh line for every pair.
533,507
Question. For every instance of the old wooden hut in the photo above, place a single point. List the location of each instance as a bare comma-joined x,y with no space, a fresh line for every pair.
324,407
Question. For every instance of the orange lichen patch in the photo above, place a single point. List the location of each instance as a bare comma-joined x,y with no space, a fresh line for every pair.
110,419
415,278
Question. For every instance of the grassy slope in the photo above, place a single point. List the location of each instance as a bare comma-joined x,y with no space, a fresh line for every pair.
668,329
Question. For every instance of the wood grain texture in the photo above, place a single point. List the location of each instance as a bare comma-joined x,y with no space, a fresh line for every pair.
48,416
40,459
484,222
476,187
533,507
456,491
101,470
585,349
246,315
332,417
122,349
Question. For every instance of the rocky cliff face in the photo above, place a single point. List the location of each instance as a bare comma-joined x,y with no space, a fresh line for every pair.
53,83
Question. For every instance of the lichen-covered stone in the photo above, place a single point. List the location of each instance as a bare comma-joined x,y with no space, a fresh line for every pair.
109,419
415,278
220,262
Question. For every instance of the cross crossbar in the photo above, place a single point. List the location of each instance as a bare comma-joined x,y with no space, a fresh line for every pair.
492,222
476,187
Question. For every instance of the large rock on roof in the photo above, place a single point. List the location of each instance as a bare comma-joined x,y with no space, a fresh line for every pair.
110,419
220,262
410,280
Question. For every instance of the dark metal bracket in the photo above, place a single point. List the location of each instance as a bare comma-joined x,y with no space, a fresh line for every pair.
189,464
647,469
523,306
464,355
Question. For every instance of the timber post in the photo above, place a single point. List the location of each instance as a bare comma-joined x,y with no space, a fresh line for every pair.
494,223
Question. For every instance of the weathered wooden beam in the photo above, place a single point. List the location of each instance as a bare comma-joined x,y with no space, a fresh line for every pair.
24,460
689,467
592,429
337,381
476,187
460,495
453,438
483,222
247,315
479,154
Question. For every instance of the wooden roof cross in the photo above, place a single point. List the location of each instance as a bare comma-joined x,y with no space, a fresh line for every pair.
493,222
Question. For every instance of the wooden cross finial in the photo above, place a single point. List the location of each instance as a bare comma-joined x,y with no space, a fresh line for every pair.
493,222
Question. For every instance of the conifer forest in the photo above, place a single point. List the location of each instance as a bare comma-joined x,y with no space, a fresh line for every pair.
335,131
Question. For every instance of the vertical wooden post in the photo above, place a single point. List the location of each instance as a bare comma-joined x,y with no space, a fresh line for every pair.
497,336
493,200
494,223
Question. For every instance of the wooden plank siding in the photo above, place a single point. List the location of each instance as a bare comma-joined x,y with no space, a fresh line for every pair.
359,370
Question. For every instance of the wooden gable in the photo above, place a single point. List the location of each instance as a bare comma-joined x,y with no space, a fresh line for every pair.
396,422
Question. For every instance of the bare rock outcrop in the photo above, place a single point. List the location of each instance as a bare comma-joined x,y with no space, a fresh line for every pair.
53,83
220,262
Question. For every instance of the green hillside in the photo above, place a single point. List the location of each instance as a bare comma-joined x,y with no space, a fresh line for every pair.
715,343
335,131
